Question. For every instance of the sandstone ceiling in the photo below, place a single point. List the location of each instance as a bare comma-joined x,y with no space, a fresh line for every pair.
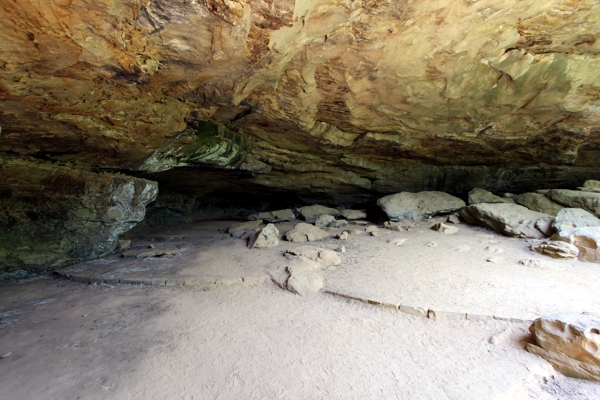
317,96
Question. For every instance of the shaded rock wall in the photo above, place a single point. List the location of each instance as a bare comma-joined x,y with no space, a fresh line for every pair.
53,215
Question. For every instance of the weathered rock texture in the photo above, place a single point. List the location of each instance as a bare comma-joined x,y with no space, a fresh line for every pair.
570,342
586,239
326,98
509,219
52,215
421,205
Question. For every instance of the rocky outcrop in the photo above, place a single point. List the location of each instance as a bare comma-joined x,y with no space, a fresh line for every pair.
569,342
509,219
53,214
538,202
421,205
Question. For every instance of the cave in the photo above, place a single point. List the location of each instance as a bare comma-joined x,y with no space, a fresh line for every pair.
410,165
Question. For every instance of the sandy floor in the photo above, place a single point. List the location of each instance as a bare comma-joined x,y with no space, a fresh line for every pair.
224,338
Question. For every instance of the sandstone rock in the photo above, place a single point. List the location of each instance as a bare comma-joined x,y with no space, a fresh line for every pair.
556,249
324,256
397,242
371,228
445,229
478,195
587,240
339,223
590,186
570,342
343,235
453,219
538,202
324,220
402,225
353,214
53,215
238,230
152,252
305,283
509,219
274,216
305,233
589,201
571,218
266,237
124,244
311,213
418,205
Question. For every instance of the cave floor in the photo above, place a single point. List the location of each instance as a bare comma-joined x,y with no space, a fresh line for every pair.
473,274
69,340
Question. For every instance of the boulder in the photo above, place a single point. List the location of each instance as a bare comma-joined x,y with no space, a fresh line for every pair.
478,196
53,215
571,218
266,237
324,256
538,202
311,213
324,220
418,205
556,249
274,216
238,230
589,201
339,223
305,233
445,229
587,240
509,219
590,186
304,283
353,214
570,342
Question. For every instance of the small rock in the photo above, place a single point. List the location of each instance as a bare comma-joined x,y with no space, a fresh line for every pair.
501,337
445,229
397,242
531,262
323,256
305,283
353,214
453,219
494,250
6,355
305,233
324,220
151,246
341,249
371,228
432,244
343,235
375,233
493,260
339,223
266,237
556,249
355,232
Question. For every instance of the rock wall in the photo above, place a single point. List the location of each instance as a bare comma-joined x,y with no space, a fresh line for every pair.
53,215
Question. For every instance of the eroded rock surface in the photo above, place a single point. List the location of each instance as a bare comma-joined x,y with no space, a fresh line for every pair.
539,202
571,218
556,249
587,240
406,205
311,213
266,237
589,201
53,215
478,195
305,233
274,216
570,342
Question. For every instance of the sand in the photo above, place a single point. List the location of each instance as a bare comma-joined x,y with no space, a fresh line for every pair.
227,336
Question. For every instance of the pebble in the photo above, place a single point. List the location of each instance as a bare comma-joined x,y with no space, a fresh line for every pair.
6,355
